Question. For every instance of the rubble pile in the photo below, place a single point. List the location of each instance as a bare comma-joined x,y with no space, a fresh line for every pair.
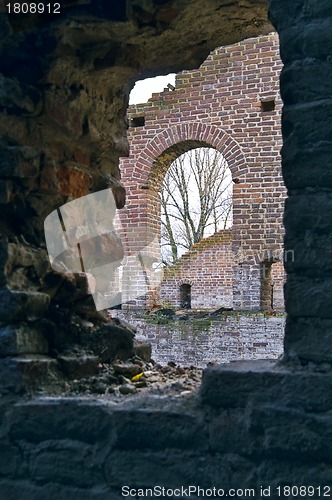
135,376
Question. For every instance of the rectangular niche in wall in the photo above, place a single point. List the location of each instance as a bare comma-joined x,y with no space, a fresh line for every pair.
137,121
268,105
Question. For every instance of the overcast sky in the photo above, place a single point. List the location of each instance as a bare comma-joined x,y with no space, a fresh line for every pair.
143,89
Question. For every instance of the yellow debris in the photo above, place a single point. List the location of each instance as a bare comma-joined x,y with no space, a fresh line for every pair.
137,377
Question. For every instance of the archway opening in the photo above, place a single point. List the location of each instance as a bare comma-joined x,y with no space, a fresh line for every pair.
272,282
196,201
185,296
221,113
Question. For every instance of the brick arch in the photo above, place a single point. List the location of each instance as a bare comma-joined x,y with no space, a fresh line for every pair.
169,144
184,281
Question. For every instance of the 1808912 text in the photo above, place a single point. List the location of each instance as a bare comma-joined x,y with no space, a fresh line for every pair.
33,8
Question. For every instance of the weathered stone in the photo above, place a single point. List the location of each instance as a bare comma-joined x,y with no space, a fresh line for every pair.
75,464
20,488
17,98
10,460
19,161
79,366
127,389
238,383
129,369
26,266
85,285
308,296
73,181
308,338
59,417
289,434
109,342
26,373
119,193
4,254
143,350
177,432
22,306
22,339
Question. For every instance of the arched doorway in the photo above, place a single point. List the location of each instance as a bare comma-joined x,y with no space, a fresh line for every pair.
185,296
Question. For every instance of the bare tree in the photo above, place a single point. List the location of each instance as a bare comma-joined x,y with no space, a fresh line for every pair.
196,201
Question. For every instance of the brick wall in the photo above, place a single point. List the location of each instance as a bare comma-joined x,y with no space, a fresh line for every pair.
207,268
221,339
231,103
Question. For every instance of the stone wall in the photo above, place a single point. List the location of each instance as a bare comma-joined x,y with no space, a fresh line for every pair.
254,424
231,103
219,339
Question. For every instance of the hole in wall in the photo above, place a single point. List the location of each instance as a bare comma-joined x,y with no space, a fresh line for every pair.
267,106
196,200
185,296
251,207
137,121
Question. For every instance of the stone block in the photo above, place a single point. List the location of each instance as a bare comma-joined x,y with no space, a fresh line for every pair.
175,468
119,193
79,366
73,181
19,161
17,98
308,296
26,373
307,85
56,418
311,254
168,428
291,433
143,350
308,339
22,306
22,339
4,255
308,212
306,157
297,11
65,462
239,383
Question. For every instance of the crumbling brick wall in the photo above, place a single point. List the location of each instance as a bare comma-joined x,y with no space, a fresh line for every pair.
231,103
207,269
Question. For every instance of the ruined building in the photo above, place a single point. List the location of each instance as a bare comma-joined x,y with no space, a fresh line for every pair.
65,81
231,103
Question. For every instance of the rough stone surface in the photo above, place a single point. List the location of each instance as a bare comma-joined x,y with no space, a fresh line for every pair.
22,305
22,339
262,443
92,446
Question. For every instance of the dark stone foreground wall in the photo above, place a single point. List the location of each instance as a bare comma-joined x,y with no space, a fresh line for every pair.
306,49
244,430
